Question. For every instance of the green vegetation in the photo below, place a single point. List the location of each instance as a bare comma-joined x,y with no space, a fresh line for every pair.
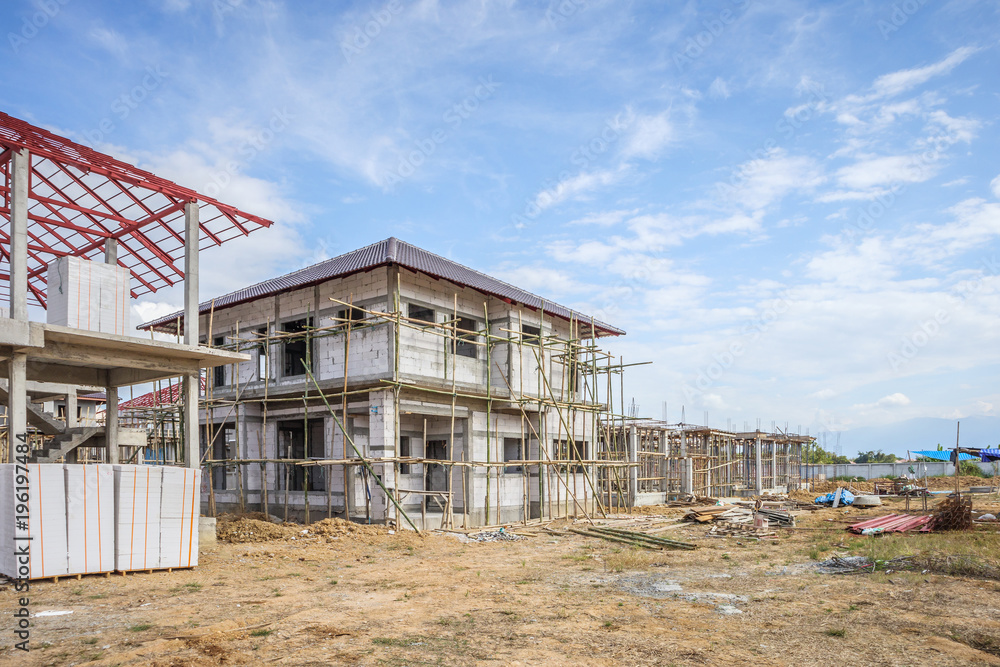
813,453
877,456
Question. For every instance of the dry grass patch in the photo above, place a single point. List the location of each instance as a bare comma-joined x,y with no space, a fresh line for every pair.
631,559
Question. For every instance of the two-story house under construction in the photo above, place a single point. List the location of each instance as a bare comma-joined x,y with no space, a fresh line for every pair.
390,381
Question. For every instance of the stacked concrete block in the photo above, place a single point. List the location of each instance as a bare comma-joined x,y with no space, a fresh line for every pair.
137,517
33,507
90,518
179,505
88,295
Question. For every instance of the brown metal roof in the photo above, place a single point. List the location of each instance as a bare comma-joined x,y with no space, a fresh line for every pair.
384,253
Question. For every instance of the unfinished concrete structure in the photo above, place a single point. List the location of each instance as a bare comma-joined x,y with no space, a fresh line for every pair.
62,199
393,380
676,460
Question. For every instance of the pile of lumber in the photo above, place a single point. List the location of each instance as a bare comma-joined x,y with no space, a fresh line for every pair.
691,500
777,517
732,513
725,528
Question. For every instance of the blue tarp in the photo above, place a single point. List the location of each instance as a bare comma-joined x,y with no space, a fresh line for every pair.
989,455
945,455
846,498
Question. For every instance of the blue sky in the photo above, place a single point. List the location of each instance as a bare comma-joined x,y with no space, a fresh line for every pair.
791,207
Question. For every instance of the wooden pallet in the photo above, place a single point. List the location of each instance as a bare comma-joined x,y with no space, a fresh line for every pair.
75,577
151,570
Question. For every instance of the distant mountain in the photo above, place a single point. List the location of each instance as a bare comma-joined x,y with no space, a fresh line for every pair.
916,434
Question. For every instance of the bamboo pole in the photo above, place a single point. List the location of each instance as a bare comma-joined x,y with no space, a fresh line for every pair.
358,453
343,412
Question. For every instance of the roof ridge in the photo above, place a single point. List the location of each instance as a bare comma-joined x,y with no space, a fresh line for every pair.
292,273
494,278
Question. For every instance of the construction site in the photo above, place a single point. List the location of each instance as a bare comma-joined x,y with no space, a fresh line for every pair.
437,397
391,458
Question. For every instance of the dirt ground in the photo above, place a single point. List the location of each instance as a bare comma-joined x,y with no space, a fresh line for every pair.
358,595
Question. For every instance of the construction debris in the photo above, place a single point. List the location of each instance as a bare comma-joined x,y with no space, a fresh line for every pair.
777,517
892,523
953,513
708,514
499,535
631,537
726,528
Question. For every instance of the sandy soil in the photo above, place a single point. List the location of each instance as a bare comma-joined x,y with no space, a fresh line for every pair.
362,596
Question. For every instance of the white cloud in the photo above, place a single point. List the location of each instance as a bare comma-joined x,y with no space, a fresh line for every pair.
176,5
896,400
649,137
760,183
886,170
540,280
995,187
907,79
577,187
604,218
111,41
975,222
719,89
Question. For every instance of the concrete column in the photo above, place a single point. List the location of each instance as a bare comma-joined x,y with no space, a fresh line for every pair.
633,470
758,467
17,401
20,170
774,463
687,476
111,423
17,407
192,232
382,442
71,420
110,393
111,251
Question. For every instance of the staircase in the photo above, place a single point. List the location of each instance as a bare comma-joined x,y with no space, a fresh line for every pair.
43,421
67,441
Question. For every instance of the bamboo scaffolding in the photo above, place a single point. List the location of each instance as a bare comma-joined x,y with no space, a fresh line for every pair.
570,410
